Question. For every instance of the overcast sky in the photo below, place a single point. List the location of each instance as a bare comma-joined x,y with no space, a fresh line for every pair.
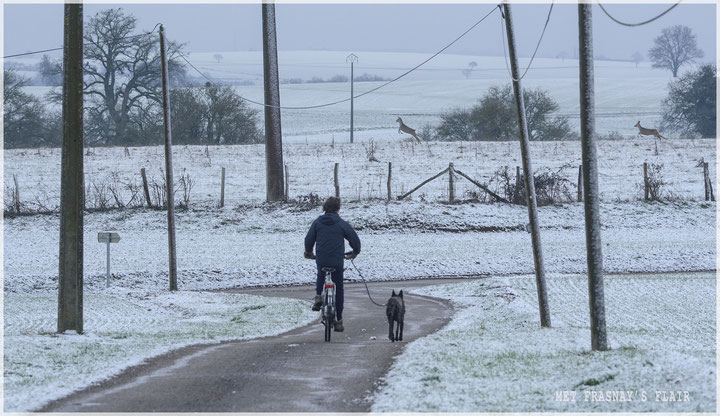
368,27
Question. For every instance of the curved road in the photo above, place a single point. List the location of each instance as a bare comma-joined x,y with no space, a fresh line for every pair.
293,372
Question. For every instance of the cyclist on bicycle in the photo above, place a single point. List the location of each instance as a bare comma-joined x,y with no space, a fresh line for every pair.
328,234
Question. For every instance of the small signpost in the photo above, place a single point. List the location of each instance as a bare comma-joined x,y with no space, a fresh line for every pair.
108,237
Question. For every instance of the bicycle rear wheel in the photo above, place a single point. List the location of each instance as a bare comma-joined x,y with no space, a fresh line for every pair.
329,322
328,330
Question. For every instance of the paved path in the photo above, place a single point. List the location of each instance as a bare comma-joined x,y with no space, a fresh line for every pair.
293,372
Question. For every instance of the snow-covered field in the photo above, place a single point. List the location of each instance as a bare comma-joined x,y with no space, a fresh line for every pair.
624,93
310,168
494,357
263,245
122,328
488,358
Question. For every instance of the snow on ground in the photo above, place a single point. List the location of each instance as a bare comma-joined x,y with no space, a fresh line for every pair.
624,93
250,243
310,168
122,328
495,357
263,245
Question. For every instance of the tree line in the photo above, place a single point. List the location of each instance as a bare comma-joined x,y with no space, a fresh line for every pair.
123,101
123,95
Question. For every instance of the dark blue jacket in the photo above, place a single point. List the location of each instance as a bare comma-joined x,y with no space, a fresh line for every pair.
328,234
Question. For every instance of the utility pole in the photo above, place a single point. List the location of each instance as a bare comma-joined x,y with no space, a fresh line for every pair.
169,183
72,201
273,134
593,241
528,174
352,58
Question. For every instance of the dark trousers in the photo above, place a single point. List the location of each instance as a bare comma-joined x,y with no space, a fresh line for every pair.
337,278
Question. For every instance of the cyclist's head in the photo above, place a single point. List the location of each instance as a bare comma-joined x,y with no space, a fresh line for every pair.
331,205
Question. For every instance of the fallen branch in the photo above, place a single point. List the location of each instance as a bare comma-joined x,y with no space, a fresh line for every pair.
483,187
419,186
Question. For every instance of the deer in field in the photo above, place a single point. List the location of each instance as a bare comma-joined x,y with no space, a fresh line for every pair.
648,132
405,129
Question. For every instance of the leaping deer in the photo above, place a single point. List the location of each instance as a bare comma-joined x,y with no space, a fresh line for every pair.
405,129
648,132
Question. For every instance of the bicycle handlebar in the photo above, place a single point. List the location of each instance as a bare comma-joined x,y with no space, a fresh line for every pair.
348,256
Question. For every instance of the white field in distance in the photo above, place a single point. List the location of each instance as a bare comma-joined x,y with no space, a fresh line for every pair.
624,93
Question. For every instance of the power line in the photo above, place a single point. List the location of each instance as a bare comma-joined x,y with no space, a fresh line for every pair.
366,92
502,30
640,23
86,44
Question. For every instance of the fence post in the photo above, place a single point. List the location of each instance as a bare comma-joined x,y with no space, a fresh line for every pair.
645,181
287,183
709,196
389,186
579,185
518,179
222,188
17,194
705,180
337,182
451,183
145,187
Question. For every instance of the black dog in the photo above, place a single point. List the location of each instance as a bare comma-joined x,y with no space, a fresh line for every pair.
395,312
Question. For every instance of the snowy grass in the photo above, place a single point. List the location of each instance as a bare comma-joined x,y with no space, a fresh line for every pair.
263,245
311,165
123,328
494,356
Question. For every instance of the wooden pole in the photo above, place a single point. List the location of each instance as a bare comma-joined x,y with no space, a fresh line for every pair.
17,194
389,182
598,333
287,183
70,277
336,180
451,183
580,184
222,188
169,183
645,181
518,179
273,131
709,195
528,174
146,189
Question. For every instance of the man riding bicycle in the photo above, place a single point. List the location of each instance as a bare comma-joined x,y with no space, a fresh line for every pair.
328,234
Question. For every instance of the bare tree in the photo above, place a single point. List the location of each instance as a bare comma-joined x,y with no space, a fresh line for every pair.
637,58
50,71
27,123
467,72
122,77
675,47
218,57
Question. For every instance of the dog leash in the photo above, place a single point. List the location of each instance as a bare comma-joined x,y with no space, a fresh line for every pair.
366,286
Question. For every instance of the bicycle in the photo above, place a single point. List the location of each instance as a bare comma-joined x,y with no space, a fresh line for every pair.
327,311
328,308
